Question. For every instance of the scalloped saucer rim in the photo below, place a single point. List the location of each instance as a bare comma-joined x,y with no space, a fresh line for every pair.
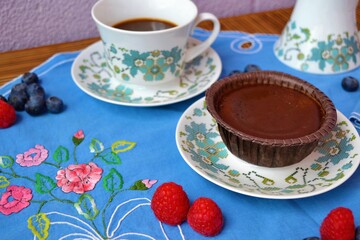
149,96
245,171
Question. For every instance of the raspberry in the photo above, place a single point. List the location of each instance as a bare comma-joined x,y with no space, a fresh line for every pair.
338,225
170,203
205,217
7,115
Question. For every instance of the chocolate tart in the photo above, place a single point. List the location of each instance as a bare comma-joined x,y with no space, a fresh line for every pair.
269,118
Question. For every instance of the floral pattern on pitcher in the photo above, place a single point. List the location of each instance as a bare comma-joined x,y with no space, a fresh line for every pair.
69,180
338,53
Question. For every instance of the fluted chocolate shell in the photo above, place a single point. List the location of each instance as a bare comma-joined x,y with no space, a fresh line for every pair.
269,152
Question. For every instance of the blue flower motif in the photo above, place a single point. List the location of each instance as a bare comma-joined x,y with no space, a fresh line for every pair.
199,134
195,62
293,25
203,162
135,61
113,49
352,47
198,112
155,69
208,157
121,93
100,89
172,57
334,151
322,53
214,153
340,59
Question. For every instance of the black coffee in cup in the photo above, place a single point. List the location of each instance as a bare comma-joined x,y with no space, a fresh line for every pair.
144,24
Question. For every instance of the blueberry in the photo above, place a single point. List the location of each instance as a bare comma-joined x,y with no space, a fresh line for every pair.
312,238
35,105
19,88
252,68
2,98
54,104
35,89
357,233
234,72
18,100
350,84
29,78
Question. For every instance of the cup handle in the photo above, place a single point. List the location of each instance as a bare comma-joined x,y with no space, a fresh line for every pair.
195,51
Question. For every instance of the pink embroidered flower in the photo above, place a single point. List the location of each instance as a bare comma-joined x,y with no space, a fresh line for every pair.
15,199
79,178
79,134
143,184
149,183
33,157
78,137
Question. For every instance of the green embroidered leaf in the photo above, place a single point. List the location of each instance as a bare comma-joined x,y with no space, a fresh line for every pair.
61,155
113,181
122,146
77,141
86,207
111,158
6,161
4,182
44,184
139,185
39,225
96,146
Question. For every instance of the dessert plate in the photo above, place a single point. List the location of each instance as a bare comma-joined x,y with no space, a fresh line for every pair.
92,75
329,165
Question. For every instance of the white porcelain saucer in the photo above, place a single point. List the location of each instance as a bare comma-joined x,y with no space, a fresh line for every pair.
333,161
91,74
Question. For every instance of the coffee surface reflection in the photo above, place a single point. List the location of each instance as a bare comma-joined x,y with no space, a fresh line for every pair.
144,24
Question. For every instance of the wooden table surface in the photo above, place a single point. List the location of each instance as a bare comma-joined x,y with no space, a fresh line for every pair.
15,63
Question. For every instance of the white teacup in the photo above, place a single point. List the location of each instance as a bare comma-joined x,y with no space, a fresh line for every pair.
150,57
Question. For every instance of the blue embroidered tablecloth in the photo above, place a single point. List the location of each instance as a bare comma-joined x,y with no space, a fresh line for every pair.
123,153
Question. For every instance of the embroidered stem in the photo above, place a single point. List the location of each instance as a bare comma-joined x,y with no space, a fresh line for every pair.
42,203
75,159
61,200
14,175
96,229
111,198
96,155
52,164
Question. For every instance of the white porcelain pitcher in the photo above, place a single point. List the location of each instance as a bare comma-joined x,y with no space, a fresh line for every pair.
321,37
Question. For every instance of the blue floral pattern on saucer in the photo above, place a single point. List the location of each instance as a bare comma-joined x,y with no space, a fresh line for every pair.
92,74
333,161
